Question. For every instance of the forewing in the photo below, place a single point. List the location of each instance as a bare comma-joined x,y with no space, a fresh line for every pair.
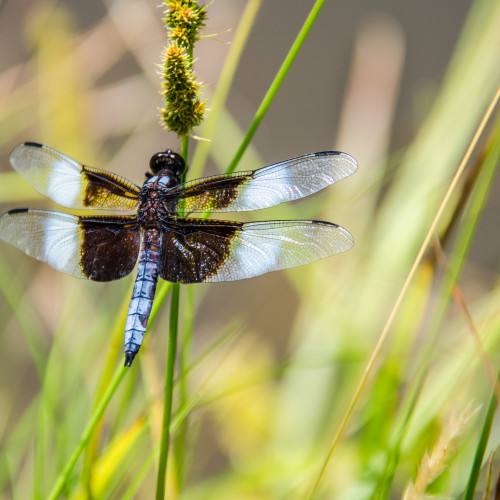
263,188
71,184
195,251
96,248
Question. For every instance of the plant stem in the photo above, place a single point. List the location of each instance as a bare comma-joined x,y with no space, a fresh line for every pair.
168,394
481,446
275,85
91,450
184,363
184,152
170,370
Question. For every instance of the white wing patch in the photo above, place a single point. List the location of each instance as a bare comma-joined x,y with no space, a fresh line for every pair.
65,184
51,237
294,179
262,247
51,173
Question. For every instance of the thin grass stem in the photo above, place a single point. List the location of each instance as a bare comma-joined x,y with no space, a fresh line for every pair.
184,151
87,433
185,361
170,367
385,484
168,394
104,381
276,84
28,321
184,410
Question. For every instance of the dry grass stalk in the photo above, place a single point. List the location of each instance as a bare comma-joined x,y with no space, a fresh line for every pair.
435,463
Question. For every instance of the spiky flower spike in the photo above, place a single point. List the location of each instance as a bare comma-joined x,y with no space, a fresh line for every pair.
184,20
183,108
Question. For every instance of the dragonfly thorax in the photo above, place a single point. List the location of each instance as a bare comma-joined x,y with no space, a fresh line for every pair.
152,211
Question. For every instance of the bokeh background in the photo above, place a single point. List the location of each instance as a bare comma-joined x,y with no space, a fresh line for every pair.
401,86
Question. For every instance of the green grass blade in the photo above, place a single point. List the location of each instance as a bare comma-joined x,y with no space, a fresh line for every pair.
184,363
276,84
481,445
168,395
87,433
116,340
170,367
13,292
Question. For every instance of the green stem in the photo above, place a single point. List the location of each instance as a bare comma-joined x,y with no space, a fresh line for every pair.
385,482
13,293
275,85
185,359
481,447
161,295
168,395
170,370
87,434
184,152
115,346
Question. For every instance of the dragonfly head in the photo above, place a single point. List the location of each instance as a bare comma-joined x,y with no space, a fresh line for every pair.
168,161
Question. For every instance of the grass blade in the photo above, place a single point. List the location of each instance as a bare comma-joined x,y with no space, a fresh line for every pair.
276,84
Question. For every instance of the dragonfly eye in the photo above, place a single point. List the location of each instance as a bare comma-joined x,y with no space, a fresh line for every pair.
167,160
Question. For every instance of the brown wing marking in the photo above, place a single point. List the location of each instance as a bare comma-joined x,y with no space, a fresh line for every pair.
192,249
103,189
110,247
215,193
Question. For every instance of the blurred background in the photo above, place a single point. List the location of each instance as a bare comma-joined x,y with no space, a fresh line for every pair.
401,86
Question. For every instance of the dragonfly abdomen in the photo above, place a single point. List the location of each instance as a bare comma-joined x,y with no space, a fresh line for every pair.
143,294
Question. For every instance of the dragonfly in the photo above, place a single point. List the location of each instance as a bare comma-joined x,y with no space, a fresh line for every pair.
156,229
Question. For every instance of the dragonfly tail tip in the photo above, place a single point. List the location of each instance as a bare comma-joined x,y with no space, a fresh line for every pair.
129,357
